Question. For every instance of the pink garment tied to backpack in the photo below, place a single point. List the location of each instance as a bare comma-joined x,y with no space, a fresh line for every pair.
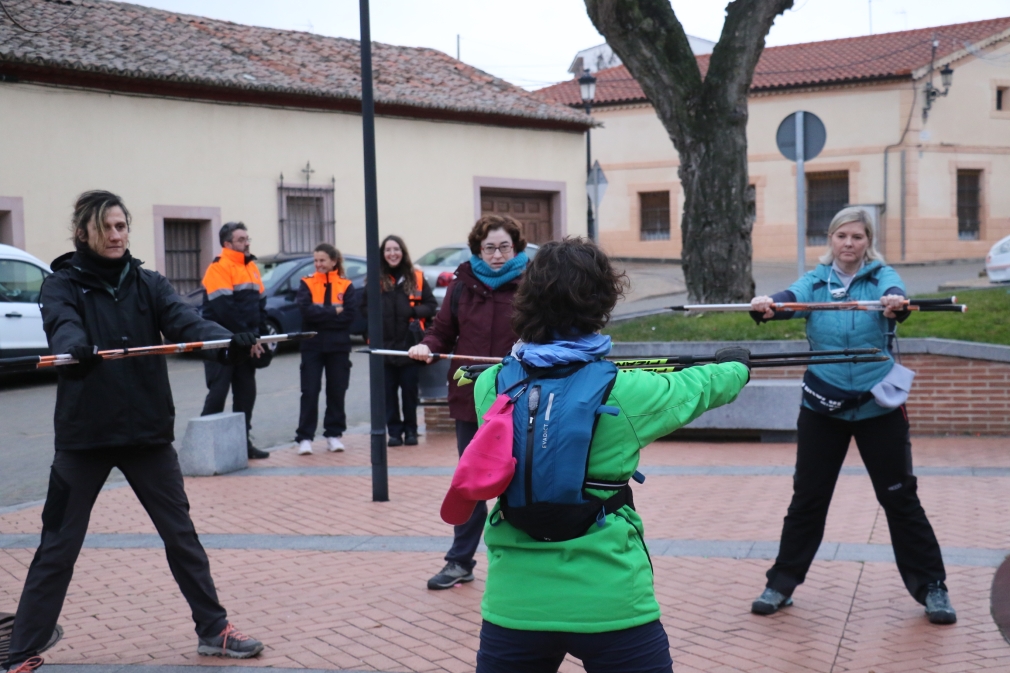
486,466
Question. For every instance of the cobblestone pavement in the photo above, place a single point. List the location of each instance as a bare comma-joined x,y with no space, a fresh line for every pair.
332,581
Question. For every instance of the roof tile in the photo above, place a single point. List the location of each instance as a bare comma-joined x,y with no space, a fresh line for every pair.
882,56
131,41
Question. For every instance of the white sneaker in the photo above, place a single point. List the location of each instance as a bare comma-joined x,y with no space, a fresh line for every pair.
304,447
334,444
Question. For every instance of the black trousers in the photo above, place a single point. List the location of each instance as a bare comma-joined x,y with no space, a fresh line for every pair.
75,480
640,649
403,379
241,378
338,374
466,537
886,450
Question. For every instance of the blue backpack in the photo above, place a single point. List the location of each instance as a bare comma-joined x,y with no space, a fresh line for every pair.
554,418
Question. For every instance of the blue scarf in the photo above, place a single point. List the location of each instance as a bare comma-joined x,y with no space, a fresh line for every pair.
584,348
510,270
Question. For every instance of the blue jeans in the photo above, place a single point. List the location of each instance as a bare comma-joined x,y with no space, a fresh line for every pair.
640,649
465,538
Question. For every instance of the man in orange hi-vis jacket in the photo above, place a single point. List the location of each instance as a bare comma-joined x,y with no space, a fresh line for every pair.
235,300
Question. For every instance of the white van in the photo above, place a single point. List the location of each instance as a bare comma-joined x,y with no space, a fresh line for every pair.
21,277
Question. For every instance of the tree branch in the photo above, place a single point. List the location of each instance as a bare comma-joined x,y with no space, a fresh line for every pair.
649,38
736,54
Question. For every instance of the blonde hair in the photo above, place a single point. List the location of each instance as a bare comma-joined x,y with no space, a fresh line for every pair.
848,216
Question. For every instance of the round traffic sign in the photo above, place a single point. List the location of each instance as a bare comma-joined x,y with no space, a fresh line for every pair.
814,136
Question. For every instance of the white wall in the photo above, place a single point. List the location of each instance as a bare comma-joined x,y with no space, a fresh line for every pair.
58,142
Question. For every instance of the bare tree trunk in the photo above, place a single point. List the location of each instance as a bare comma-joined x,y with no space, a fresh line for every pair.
706,120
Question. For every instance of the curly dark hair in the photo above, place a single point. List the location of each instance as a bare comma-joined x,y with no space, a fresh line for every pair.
568,289
489,223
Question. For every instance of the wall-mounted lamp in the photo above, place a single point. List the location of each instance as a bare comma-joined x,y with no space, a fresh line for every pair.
930,92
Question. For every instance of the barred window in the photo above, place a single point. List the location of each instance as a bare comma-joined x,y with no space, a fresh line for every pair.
654,208
827,193
182,254
306,217
969,204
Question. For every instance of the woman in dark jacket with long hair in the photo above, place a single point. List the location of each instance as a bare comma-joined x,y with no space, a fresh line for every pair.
407,306
475,319
117,414
328,302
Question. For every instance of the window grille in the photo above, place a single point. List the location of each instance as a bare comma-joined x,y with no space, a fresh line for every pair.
182,254
969,204
306,217
654,208
827,193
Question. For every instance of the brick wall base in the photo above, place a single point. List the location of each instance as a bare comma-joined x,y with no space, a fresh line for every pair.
950,395
437,421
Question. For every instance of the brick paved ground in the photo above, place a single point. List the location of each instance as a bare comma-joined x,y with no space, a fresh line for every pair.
369,610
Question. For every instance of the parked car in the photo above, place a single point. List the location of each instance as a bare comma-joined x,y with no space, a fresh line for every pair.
997,262
439,265
21,277
281,274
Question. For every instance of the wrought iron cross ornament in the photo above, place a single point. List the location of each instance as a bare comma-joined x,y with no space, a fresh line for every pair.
308,170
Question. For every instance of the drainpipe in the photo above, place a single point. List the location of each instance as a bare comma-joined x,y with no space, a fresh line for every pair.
902,205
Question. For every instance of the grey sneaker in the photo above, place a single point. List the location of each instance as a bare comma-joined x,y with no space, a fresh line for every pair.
938,607
451,575
769,602
229,643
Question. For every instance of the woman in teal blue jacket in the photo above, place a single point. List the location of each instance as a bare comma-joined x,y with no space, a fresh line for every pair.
838,405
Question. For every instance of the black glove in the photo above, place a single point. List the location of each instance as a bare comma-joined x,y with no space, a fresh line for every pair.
87,359
733,354
241,344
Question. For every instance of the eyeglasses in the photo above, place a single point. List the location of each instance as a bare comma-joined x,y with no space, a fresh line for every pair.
489,250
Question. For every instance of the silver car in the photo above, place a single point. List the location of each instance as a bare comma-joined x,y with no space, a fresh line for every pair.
439,265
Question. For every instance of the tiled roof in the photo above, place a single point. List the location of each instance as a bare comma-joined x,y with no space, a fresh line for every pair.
854,59
123,46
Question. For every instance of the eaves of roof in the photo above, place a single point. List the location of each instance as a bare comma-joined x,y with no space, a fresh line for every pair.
184,89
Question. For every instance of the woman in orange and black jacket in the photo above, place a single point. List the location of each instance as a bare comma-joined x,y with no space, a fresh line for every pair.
328,304
407,308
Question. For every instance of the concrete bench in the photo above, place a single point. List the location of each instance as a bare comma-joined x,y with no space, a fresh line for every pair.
766,409
214,444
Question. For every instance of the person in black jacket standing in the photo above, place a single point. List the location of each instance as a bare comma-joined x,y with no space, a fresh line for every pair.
116,414
407,303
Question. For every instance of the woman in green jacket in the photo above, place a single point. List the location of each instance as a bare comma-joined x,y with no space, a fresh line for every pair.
591,596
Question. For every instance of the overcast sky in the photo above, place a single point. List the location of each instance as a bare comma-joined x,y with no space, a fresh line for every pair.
532,42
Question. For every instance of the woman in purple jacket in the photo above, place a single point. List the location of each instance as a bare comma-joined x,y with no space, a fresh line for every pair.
475,319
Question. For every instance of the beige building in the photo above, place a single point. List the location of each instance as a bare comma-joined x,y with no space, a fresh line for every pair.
944,194
196,122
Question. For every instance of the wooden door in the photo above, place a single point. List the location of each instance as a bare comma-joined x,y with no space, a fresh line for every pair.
532,209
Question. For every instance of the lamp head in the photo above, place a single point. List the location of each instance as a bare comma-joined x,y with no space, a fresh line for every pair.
587,86
946,76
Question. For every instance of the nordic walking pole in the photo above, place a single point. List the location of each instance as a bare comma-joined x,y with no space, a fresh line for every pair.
468,373
434,356
705,359
923,305
46,361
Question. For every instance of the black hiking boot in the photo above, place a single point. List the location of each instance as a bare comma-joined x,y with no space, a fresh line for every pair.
451,575
938,607
769,602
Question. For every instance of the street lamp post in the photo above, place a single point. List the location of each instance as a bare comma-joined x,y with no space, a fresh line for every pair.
587,89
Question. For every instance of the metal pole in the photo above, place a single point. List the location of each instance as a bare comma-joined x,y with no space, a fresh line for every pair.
590,224
801,200
376,368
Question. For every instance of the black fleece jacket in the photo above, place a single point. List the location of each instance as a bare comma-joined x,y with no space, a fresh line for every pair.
124,402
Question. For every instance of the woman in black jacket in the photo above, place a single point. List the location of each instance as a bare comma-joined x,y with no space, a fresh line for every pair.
116,414
407,305
328,303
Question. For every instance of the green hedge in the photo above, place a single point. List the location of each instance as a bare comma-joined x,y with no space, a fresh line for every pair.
987,320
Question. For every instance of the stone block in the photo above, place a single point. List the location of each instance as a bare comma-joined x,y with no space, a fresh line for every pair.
214,444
